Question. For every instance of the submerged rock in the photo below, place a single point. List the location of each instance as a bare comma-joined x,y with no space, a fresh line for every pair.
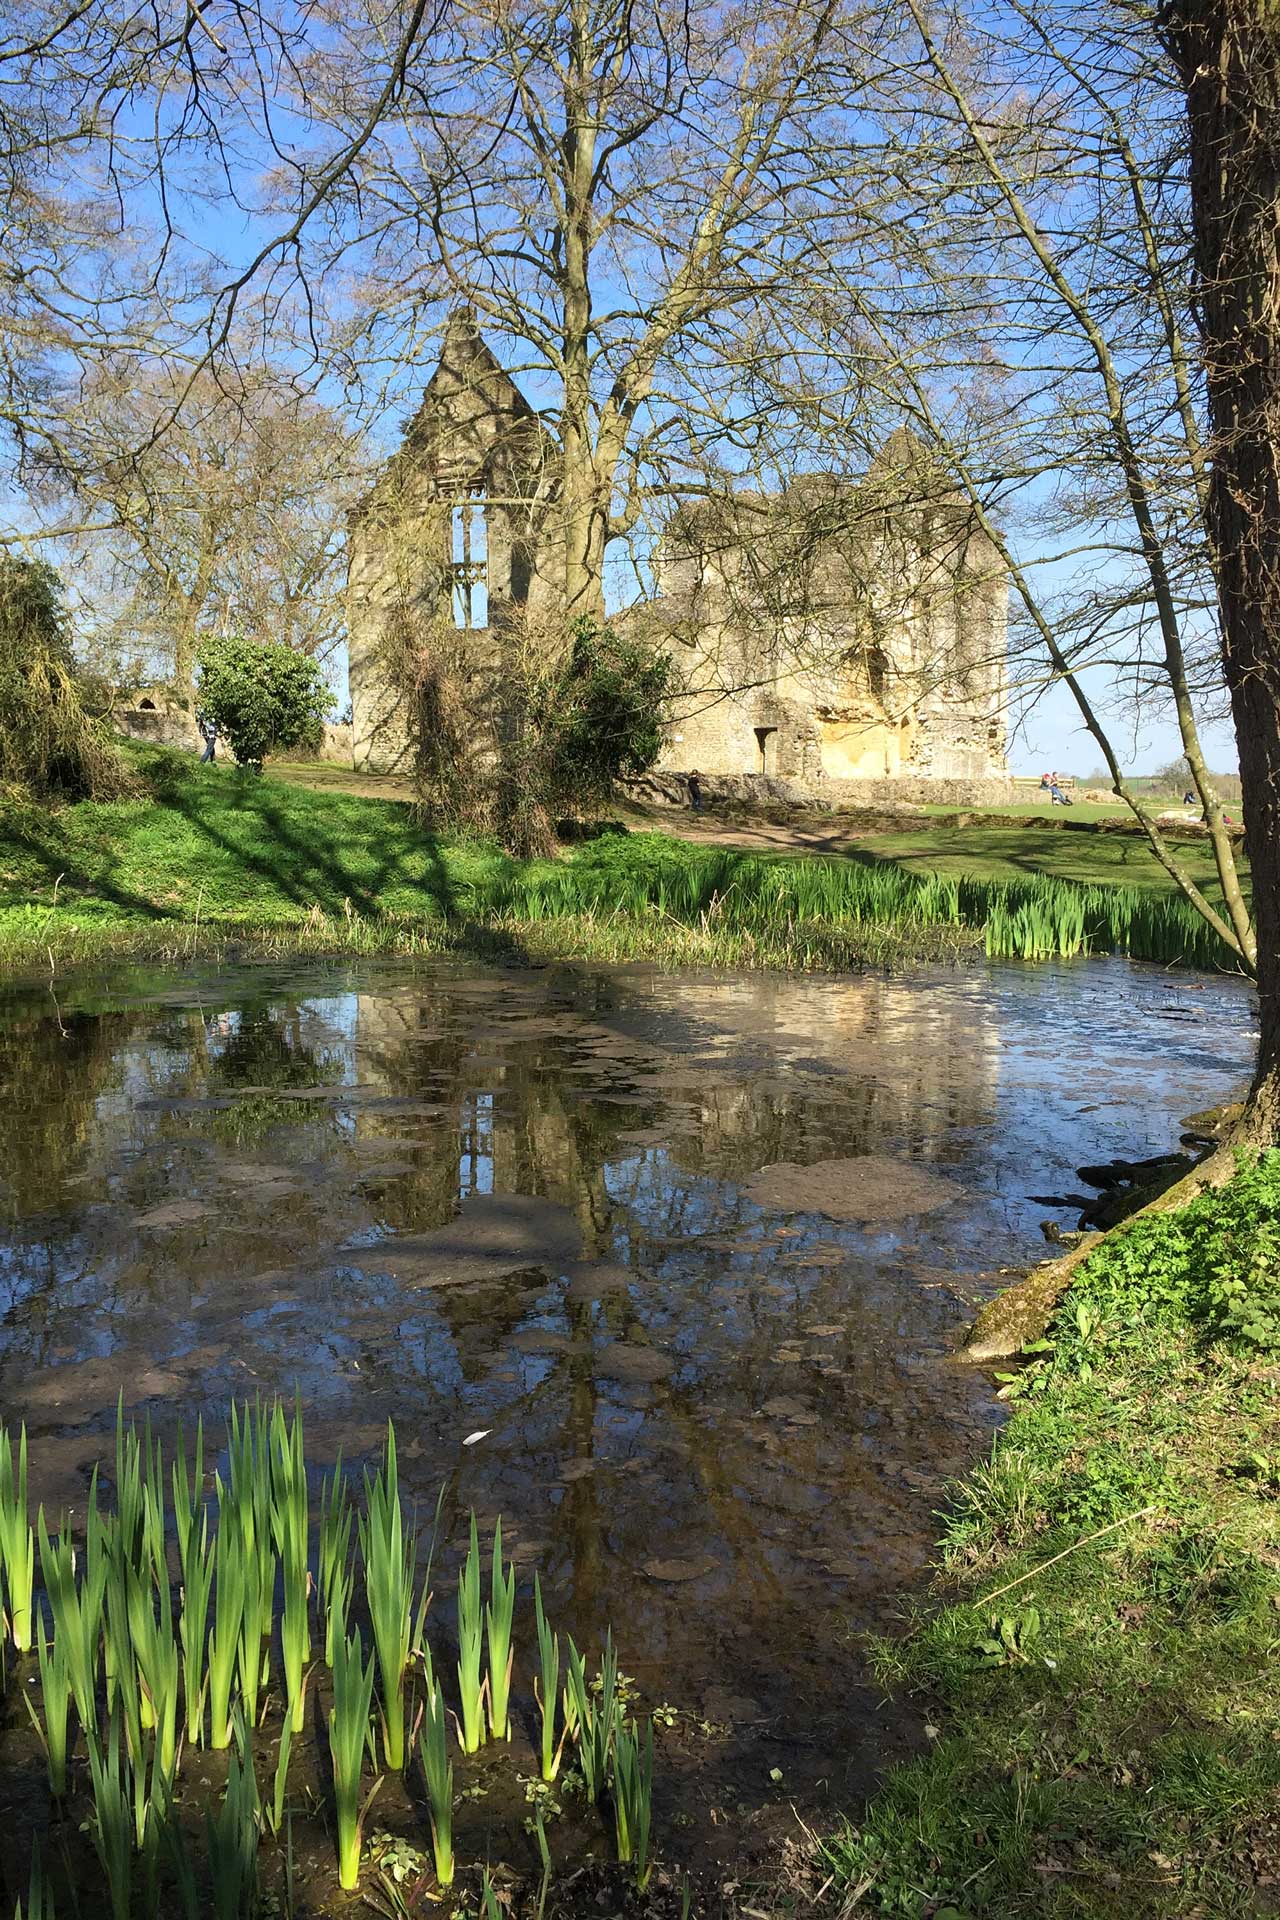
872,1187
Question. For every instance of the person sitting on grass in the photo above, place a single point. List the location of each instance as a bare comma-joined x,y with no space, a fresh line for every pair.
1057,797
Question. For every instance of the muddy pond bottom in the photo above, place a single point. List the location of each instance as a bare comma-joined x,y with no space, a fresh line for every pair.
666,1270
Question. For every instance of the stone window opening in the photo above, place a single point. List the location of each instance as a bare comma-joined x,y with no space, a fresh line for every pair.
469,561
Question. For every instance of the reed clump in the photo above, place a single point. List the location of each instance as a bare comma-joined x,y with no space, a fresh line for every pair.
138,1669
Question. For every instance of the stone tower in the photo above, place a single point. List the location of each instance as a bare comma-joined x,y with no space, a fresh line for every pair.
455,533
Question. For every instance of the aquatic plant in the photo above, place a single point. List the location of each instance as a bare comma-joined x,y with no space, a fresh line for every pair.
155,1647
110,1824
195,1558
51,1723
39,1895
233,1834
438,1773
489,1899
244,1506
336,1577
290,1523
471,1647
77,1610
349,1735
390,1558
17,1541
633,1799
497,1619
274,1812
224,1634
594,1720
548,1687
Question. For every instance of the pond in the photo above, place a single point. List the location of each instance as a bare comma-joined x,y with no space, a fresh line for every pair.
519,1212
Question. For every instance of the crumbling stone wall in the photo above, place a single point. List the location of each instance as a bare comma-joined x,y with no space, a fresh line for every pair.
839,631
451,543
836,631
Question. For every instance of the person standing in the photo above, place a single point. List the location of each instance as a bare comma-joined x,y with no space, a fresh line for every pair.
209,734
695,790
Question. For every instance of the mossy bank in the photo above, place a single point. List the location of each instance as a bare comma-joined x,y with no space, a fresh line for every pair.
1099,1655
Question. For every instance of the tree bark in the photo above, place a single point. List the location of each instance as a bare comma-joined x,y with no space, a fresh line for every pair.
1227,53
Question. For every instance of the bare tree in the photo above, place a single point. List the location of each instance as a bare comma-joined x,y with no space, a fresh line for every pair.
1028,312
232,519
618,189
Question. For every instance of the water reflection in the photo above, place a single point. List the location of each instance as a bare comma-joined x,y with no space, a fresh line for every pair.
514,1203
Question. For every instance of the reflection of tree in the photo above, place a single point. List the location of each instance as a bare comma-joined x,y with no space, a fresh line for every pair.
54,1072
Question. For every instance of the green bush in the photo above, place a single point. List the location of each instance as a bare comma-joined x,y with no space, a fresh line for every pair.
262,696
1213,1264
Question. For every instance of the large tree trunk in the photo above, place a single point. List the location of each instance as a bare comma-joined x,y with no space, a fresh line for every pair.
1228,57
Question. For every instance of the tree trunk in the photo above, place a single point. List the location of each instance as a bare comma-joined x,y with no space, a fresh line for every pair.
1228,57
584,525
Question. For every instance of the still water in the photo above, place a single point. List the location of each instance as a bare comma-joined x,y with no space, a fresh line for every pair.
720,1414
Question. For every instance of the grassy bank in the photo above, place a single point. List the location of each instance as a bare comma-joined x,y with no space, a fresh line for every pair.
1105,1727
212,857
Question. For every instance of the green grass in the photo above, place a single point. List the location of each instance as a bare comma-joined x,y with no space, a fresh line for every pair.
1103,1735
215,857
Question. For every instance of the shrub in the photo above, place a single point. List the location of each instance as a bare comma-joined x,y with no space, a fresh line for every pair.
509,744
1213,1264
49,745
262,696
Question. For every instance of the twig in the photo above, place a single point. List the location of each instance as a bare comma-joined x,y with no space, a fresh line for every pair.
1063,1555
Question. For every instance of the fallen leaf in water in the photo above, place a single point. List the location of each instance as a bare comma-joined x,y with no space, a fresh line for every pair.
481,1433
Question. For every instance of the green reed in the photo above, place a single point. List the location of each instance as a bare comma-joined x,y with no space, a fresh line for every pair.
800,902
245,1505
233,1834
156,1649
349,1735
290,1524
633,1799
17,1541
111,1822
390,1559
225,1632
52,1722
498,1616
39,1895
77,1609
336,1576
438,1774
594,1720
548,1688
471,1686
195,1559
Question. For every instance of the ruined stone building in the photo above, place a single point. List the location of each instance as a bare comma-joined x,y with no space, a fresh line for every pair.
456,531
835,631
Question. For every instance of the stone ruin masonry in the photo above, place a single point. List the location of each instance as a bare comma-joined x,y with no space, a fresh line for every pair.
848,636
